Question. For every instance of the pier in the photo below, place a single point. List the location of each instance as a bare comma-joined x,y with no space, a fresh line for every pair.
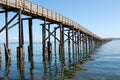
80,40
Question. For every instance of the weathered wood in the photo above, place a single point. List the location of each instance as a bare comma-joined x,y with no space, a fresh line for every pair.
7,53
51,33
30,48
49,45
9,22
43,39
13,25
55,40
69,44
61,39
21,41
6,21
73,44
0,52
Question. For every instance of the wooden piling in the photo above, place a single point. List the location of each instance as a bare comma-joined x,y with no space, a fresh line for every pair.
73,44
78,40
49,45
44,39
86,45
61,39
69,47
69,43
7,53
55,40
6,21
20,50
0,52
30,47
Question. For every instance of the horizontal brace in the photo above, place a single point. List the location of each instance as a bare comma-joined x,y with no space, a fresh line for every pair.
13,25
28,18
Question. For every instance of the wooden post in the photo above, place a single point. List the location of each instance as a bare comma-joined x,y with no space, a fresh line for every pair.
0,51
73,44
75,47
20,51
55,40
86,45
69,47
44,39
6,20
49,45
78,40
7,50
80,47
69,42
61,39
30,47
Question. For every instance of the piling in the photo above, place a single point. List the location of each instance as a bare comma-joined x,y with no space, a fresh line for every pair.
49,45
7,53
20,48
73,44
0,52
30,47
6,20
55,40
44,38
61,39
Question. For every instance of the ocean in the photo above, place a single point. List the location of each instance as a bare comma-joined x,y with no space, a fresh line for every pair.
103,64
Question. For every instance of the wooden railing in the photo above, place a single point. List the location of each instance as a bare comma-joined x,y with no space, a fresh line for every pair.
42,11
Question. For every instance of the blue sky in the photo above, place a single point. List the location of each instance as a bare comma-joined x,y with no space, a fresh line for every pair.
99,16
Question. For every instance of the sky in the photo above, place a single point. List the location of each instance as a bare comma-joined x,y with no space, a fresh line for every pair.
99,16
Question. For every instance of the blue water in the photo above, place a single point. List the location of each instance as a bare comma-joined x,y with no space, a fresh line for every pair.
106,63
103,65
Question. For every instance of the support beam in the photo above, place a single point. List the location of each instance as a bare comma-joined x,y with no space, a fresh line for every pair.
73,44
69,43
51,33
61,39
55,40
6,20
13,25
20,49
30,47
9,22
44,39
49,45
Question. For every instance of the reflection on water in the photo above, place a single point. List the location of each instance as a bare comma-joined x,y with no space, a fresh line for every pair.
33,67
59,66
7,69
20,67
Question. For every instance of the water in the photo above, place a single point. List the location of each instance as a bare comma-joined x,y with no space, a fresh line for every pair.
106,63
103,65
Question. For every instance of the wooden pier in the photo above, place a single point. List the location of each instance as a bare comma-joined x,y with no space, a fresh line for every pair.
80,40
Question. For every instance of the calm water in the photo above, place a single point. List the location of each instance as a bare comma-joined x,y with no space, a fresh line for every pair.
103,65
